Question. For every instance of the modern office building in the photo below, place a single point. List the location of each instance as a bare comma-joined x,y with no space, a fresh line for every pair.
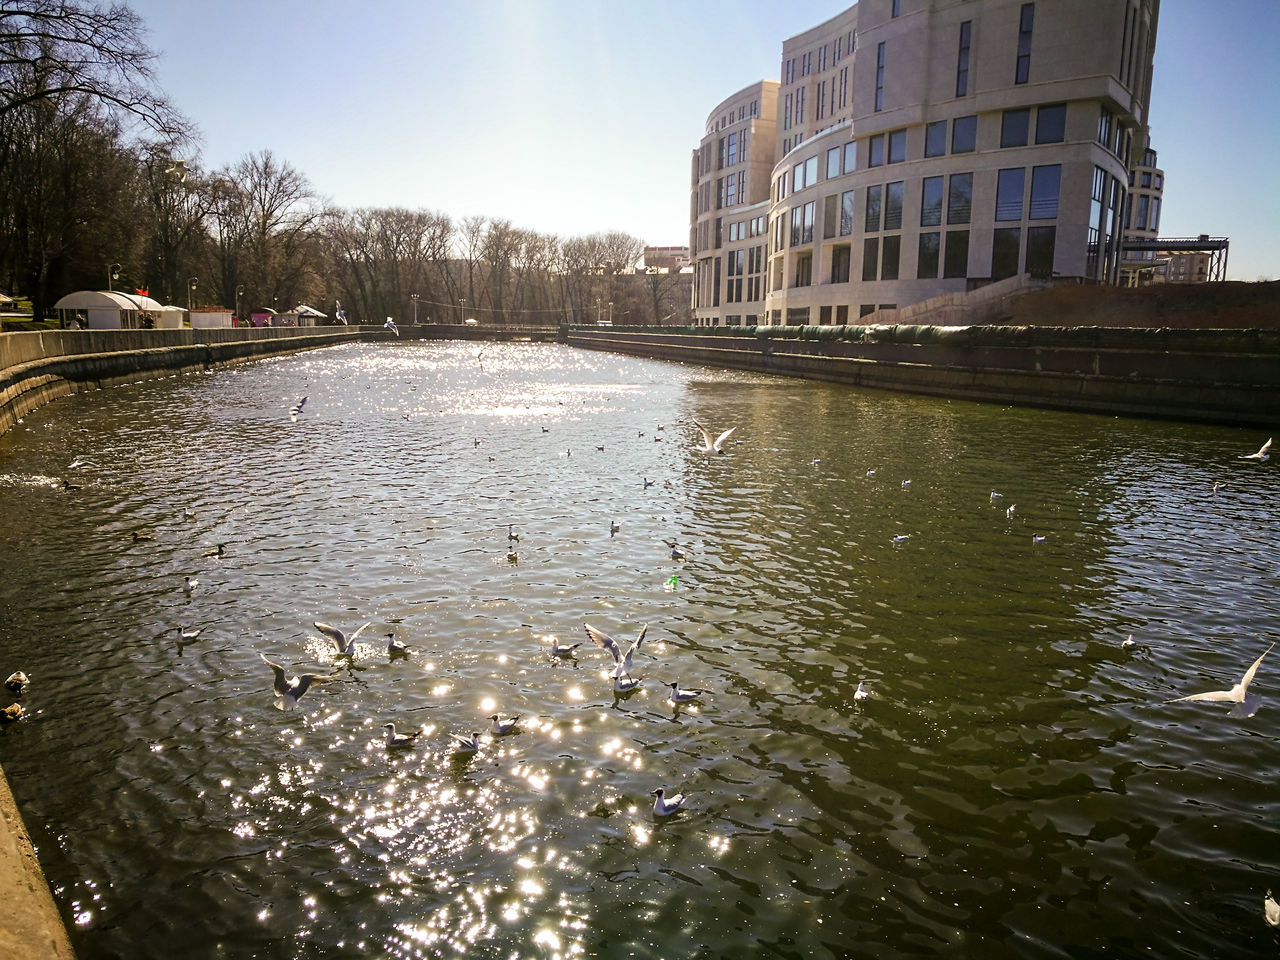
1139,267
924,147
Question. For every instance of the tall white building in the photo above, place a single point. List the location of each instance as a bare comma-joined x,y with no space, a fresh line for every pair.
923,147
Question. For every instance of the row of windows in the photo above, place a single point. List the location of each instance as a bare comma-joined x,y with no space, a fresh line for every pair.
744,111
883,204
891,147
742,229
840,47
947,252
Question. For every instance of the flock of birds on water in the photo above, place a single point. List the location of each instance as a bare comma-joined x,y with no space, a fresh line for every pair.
289,690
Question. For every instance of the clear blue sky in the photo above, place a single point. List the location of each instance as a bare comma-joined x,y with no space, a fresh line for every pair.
578,116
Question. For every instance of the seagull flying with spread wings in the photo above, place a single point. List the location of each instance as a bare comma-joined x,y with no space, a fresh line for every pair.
289,692
346,645
1264,453
621,660
716,446
1245,705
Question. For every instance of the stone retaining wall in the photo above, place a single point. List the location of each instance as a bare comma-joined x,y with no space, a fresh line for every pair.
40,366
1220,376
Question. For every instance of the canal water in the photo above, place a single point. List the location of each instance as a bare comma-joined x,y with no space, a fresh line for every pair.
1015,785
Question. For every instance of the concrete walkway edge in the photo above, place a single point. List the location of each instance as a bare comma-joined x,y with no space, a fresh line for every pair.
30,926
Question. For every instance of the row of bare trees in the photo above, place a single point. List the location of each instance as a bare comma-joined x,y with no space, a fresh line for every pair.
99,186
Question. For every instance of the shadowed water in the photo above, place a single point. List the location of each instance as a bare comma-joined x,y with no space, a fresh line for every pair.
1016,785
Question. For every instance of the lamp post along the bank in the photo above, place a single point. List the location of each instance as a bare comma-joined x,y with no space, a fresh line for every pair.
462,309
113,273
414,298
239,294
191,288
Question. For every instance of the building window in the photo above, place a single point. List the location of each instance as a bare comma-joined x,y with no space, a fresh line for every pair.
960,198
1155,213
820,108
1040,249
1045,185
871,221
806,232
800,98
830,216
797,177
797,225
1009,189
1005,244
964,134
879,76
927,256
840,258
889,261
875,150
804,270
866,310
931,203
846,213
935,139
1013,127
850,157
893,197
833,162
1105,121
956,258
962,59
870,258
1023,70
895,8
1144,208
811,171
1051,123
897,146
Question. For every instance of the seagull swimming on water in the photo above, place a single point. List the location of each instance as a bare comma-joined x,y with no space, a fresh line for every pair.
1271,910
664,806
395,648
1245,705
862,692
465,746
397,740
710,446
559,649
346,645
503,727
289,692
622,661
190,585
296,410
682,696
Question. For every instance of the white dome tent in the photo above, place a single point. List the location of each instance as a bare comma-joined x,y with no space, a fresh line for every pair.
111,310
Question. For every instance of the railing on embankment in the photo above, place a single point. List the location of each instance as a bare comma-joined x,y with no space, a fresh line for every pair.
1219,376
37,367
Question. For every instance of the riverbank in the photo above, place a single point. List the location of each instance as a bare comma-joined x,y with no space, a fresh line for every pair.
1215,376
30,925
37,367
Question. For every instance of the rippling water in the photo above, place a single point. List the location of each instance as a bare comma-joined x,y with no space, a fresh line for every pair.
1016,786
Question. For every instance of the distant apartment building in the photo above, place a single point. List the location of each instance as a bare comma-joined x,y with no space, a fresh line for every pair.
665,259
1141,263
922,147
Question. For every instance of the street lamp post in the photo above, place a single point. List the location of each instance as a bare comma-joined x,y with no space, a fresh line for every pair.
113,273
414,298
191,288
462,302
239,294
611,313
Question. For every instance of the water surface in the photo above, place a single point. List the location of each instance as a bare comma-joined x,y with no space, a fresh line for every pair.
1016,785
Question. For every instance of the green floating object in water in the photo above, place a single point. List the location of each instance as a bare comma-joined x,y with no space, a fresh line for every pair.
672,582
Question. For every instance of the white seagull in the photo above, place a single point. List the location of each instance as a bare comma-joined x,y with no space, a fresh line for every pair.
1129,643
559,649
391,325
902,538
289,692
862,692
190,633
397,740
296,410
189,585
682,696
628,685
346,645
708,446
664,806
465,746
621,661
1264,452
503,727
1245,705
395,648
17,682
1271,910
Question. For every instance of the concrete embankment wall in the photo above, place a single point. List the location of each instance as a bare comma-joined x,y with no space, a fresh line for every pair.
30,926
1219,376
37,367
